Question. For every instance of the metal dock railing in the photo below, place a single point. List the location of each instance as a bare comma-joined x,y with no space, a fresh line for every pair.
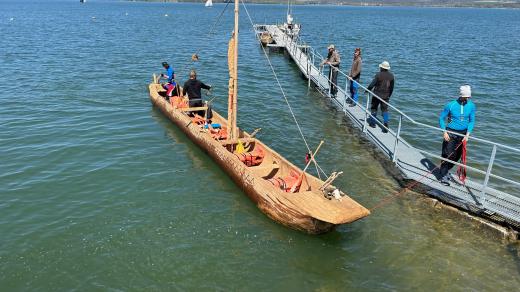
476,195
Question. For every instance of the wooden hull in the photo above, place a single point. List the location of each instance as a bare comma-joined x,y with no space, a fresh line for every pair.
307,210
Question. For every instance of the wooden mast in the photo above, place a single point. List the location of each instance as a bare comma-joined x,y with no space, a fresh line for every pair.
233,92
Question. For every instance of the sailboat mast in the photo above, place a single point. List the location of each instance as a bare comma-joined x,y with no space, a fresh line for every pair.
233,132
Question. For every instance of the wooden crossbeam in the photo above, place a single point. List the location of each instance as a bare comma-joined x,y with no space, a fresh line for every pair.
194,109
235,141
270,167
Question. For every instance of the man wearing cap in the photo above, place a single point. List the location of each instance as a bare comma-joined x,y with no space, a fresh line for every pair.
383,85
333,61
355,74
170,76
460,114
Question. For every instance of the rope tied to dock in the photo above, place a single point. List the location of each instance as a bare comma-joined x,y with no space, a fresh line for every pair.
390,198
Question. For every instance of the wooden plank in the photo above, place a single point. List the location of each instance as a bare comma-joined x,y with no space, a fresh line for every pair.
235,141
193,109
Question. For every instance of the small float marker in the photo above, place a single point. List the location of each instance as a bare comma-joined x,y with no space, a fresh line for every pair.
126,13
166,15
11,19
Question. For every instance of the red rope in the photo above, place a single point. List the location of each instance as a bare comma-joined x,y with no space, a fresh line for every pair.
461,171
390,198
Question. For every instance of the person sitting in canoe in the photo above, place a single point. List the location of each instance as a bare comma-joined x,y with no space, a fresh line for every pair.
170,76
193,87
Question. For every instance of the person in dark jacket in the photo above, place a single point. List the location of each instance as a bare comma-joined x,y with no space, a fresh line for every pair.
333,60
460,114
193,87
383,85
355,74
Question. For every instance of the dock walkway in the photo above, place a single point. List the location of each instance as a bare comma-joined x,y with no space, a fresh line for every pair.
475,197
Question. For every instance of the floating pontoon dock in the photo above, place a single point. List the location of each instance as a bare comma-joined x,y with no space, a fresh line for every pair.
475,197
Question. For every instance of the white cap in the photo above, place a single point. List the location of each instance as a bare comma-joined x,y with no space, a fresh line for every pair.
465,91
331,46
385,65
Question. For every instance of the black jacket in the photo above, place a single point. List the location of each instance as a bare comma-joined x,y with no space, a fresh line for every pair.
193,87
383,84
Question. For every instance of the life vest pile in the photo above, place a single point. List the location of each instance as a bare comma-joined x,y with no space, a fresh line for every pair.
178,102
288,182
198,120
252,158
219,133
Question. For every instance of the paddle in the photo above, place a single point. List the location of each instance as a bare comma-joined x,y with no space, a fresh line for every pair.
300,177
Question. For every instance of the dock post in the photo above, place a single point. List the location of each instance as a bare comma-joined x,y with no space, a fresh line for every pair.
366,114
328,79
346,90
394,154
488,172
308,74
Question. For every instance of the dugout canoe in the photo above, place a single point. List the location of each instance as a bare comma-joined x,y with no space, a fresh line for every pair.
266,181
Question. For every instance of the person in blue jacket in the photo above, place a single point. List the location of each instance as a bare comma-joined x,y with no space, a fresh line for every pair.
170,74
460,114
171,86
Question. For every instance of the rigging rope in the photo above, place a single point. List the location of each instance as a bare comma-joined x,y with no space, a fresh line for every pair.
285,97
388,199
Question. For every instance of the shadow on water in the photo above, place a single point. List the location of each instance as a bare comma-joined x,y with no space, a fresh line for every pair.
172,132
514,250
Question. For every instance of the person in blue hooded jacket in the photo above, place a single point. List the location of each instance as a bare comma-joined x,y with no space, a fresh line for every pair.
460,114
171,86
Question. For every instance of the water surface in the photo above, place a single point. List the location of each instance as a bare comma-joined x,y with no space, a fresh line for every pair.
99,191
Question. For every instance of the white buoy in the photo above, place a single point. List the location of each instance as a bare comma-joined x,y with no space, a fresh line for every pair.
126,13
11,19
166,15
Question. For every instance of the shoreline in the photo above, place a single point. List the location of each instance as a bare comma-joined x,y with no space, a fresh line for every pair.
476,4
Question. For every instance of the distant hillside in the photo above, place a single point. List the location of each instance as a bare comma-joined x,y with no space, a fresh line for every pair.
425,3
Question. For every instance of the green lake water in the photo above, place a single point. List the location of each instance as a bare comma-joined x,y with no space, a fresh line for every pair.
99,191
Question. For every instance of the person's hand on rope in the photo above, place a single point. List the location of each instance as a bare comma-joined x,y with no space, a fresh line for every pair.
446,137
466,138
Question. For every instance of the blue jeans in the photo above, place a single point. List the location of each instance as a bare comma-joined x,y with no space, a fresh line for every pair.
354,90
